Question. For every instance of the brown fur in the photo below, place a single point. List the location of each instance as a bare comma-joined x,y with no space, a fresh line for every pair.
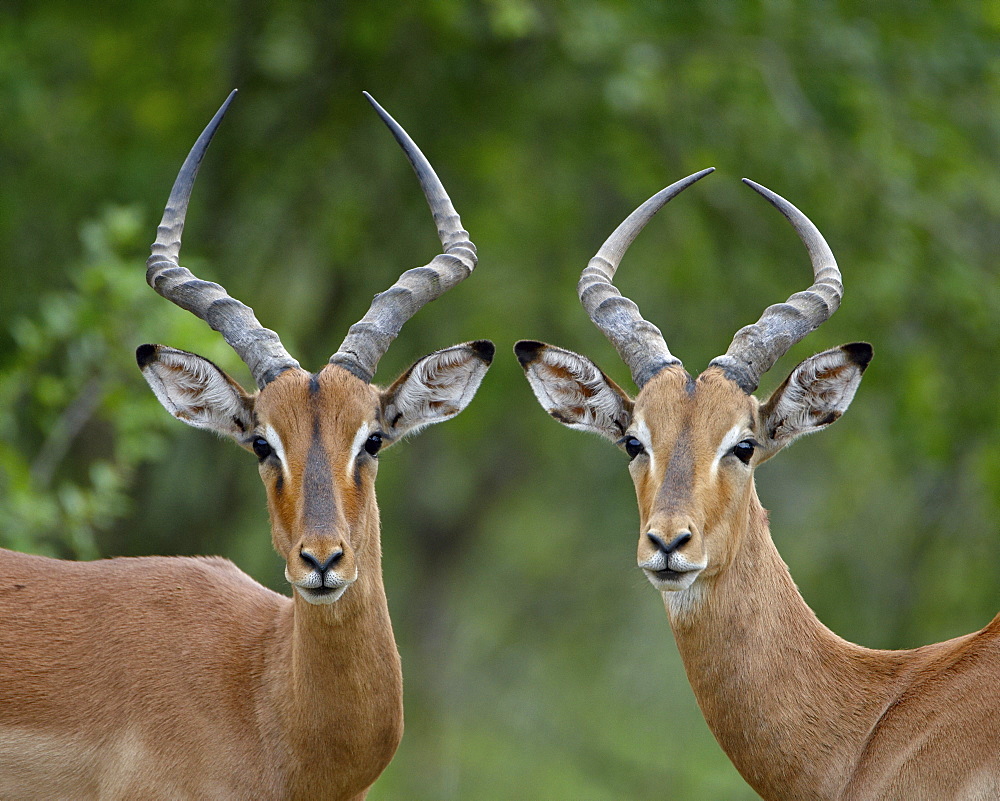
801,712
183,678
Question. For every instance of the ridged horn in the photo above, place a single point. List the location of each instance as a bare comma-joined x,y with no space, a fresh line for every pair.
257,346
639,342
756,348
369,338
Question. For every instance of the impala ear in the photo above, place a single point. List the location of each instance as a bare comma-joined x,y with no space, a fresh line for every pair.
814,395
572,389
194,390
435,388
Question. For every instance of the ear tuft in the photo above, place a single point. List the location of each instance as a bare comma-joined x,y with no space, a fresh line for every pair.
527,351
573,390
195,391
860,353
815,394
484,349
145,354
436,387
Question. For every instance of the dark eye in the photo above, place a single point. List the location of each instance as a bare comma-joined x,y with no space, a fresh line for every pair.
744,450
261,448
633,447
373,443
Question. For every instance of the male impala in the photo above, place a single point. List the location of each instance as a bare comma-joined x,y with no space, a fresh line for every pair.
182,678
801,713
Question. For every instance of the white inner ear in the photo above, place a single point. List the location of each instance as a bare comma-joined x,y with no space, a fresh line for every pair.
194,390
575,391
821,387
437,387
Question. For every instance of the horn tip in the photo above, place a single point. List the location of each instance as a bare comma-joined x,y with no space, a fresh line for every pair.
223,108
684,183
763,190
375,105
784,206
772,197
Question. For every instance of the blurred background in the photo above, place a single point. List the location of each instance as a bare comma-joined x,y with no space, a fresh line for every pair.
538,661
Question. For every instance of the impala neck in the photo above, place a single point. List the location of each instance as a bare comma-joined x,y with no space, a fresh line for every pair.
343,713
790,702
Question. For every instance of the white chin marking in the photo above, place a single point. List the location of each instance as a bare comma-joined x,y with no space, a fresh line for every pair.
321,599
681,582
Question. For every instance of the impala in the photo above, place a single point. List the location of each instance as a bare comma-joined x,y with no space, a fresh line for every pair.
801,713
182,678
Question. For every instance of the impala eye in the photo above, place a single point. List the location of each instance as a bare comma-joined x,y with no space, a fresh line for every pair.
744,450
261,448
373,443
633,447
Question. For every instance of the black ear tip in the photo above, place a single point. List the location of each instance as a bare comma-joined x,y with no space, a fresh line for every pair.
860,353
484,349
527,351
145,354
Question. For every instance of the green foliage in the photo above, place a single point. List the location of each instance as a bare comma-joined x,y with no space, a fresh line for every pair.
538,662
74,423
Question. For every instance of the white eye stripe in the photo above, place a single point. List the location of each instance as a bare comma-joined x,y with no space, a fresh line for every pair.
640,431
735,435
278,447
364,432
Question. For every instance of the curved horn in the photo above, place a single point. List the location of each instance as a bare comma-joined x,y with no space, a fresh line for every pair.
257,346
639,342
369,338
755,348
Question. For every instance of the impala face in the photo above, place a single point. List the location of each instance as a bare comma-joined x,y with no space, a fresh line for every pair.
317,438
691,446
694,443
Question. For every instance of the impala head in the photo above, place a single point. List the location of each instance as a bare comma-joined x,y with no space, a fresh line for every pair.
316,436
694,442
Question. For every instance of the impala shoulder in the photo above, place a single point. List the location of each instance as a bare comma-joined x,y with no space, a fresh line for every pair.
221,574
940,700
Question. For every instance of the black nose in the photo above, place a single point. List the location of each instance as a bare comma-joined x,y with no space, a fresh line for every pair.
322,567
667,548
